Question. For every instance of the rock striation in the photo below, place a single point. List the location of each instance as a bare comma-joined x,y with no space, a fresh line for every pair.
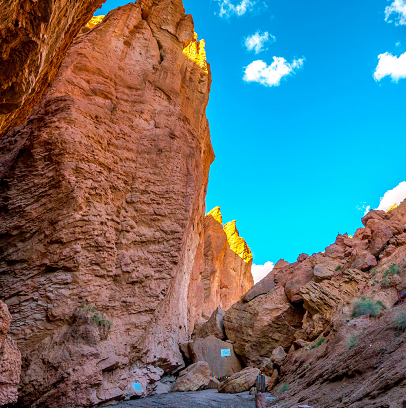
328,330
34,39
299,301
10,361
102,209
222,270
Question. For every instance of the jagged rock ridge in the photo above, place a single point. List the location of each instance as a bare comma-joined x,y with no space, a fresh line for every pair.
102,210
222,270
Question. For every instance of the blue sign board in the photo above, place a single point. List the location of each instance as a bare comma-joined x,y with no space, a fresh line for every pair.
137,387
225,353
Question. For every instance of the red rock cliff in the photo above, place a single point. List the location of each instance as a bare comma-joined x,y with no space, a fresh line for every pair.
34,38
102,209
10,360
222,270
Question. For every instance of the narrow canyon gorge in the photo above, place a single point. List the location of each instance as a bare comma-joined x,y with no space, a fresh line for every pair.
114,276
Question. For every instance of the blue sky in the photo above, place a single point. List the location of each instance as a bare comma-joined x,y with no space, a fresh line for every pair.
297,154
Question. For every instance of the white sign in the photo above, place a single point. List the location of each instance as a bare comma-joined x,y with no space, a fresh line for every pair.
225,353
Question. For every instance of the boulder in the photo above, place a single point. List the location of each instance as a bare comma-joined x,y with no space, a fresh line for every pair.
209,350
213,384
379,239
264,286
270,382
257,327
197,376
214,326
240,382
364,261
278,356
323,272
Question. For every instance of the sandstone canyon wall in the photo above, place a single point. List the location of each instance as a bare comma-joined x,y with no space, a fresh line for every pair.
222,270
10,361
337,357
34,38
102,208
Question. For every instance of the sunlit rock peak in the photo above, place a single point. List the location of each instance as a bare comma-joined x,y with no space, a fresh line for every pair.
94,21
237,244
216,214
392,207
195,51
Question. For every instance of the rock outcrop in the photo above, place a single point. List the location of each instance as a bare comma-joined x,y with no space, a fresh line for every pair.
196,377
240,382
102,208
300,301
210,350
222,270
34,39
10,361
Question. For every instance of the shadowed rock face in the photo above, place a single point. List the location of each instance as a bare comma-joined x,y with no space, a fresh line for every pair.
34,39
102,201
10,360
222,270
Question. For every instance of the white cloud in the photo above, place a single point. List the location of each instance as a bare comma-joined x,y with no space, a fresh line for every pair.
227,8
391,197
390,65
257,41
398,44
260,271
397,7
363,207
259,71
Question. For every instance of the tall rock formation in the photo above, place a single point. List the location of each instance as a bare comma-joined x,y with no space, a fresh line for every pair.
222,270
34,39
102,208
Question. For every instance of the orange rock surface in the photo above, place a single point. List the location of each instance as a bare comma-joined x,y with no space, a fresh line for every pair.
103,204
222,270
34,39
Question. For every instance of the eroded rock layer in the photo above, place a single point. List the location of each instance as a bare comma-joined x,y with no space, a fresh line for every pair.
34,39
10,360
299,300
102,209
222,270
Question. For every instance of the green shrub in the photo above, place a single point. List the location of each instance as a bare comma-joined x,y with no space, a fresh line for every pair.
351,341
284,387
338,268
393,270
399,321
100,321
366,306
373,273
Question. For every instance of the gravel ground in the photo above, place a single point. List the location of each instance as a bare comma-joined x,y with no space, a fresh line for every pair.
198,399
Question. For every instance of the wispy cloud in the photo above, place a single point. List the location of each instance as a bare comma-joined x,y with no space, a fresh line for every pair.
390,65
271,75
258,41
260,271
228,8
398,7
394,196
363,207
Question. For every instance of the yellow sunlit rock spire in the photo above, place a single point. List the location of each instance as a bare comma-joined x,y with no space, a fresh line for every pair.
392,208
94,21
196,52
236,243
